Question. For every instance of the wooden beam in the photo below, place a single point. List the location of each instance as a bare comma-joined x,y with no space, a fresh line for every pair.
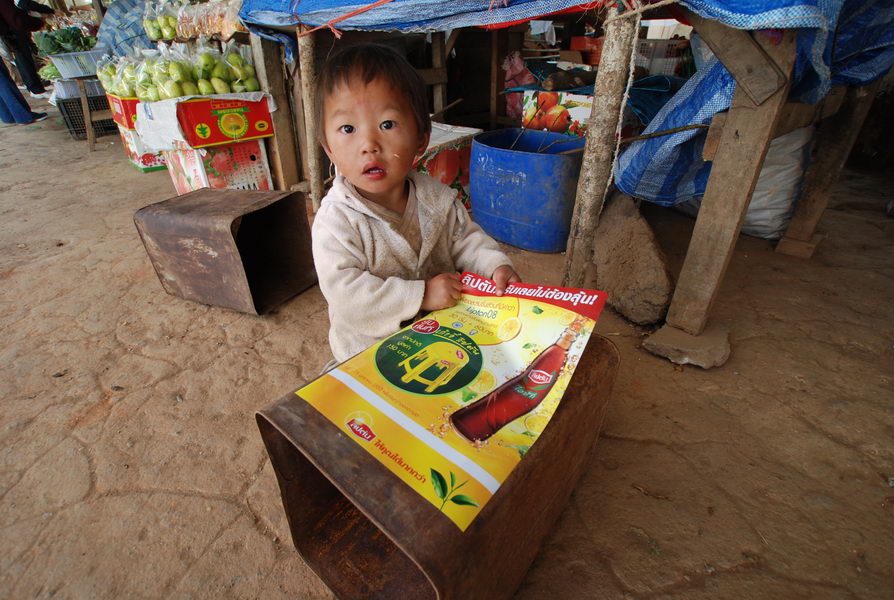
737,165
282,147
755,72
796,115
712,140
439,63
834,140
313,160
433,76
100,10
596,168
451,41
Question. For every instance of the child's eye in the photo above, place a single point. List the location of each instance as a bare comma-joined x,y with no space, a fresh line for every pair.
346,129
387,124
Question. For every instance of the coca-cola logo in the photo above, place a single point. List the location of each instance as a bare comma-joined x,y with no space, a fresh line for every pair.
361,430
540,377
426,326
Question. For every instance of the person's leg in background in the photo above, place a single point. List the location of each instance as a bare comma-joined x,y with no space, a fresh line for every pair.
13,106
25,63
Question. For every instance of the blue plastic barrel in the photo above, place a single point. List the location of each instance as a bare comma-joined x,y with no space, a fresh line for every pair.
524,196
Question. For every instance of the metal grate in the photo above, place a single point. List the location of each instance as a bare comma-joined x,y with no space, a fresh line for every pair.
73,115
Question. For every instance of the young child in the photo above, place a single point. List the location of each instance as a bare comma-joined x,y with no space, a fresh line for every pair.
387,240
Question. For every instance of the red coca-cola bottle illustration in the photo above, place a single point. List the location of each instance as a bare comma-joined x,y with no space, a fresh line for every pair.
518,396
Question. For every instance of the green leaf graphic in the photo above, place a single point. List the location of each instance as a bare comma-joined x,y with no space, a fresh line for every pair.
440,485
529,434
452,480
463,500
537,310
522,450
468,395
528,345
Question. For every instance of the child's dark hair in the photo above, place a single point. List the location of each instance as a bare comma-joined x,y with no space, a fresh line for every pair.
368,62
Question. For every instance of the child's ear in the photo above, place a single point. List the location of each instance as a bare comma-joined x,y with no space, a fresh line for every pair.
423,144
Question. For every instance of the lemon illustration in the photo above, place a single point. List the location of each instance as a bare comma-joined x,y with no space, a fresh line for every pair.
484,383
233,125
536,423
509,329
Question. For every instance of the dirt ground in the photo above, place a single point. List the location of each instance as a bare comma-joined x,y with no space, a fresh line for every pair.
131,466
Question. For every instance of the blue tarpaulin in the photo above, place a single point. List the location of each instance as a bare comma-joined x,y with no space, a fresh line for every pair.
839,42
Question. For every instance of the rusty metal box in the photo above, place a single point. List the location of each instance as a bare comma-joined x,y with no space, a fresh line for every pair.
240,249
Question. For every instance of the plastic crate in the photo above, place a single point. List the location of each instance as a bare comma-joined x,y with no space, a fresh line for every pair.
68,88
78,64
73,115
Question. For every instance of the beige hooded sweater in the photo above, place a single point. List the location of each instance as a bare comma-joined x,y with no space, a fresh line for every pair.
372,278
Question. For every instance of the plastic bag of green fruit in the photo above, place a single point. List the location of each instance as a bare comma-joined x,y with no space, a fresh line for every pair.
106,71
150,22
124,83
242,75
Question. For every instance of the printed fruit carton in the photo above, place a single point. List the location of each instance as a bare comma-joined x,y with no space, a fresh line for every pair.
124,110
564,112
448,156
239,166
210,121
452,403
141,157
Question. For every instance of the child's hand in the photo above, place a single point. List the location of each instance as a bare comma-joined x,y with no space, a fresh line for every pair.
503,276
442,291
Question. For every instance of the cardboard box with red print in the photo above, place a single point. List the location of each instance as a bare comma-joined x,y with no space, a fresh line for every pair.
124,111
211,121
240,166
564,112
448,155
140,156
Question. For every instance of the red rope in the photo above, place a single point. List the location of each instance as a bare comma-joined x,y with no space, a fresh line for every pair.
331,23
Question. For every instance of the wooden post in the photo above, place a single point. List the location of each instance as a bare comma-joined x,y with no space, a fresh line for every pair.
439,61
88,118
835,138
494,77
737,164
596,169
282,147
308,81
100,10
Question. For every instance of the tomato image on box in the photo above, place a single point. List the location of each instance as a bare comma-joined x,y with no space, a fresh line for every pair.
211,121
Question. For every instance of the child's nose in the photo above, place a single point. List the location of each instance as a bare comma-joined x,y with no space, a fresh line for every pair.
371,143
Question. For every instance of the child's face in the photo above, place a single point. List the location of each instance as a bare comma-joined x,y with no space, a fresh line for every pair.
372,137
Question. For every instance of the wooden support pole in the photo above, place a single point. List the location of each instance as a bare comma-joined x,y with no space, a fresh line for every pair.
596,168
451,42
282,147
835,138
306,59
100,10
737,164
494,77
439,62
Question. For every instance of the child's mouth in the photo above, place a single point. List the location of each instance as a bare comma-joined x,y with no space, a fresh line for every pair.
374,173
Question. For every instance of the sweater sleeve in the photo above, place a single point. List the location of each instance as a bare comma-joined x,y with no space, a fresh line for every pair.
472,249
363,308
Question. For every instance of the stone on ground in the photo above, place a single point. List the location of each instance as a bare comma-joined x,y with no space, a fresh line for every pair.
708,350
630,265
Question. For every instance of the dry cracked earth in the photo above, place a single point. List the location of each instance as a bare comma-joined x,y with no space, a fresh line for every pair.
131,466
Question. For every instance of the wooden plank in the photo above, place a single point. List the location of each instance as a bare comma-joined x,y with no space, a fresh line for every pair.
451,41
433,76
798,248
439,63
313,161
834,140
596,168
88,117
712,141
298,121
755,72
281,148
737,165
796,115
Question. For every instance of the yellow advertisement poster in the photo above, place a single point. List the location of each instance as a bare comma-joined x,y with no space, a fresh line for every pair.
451,403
